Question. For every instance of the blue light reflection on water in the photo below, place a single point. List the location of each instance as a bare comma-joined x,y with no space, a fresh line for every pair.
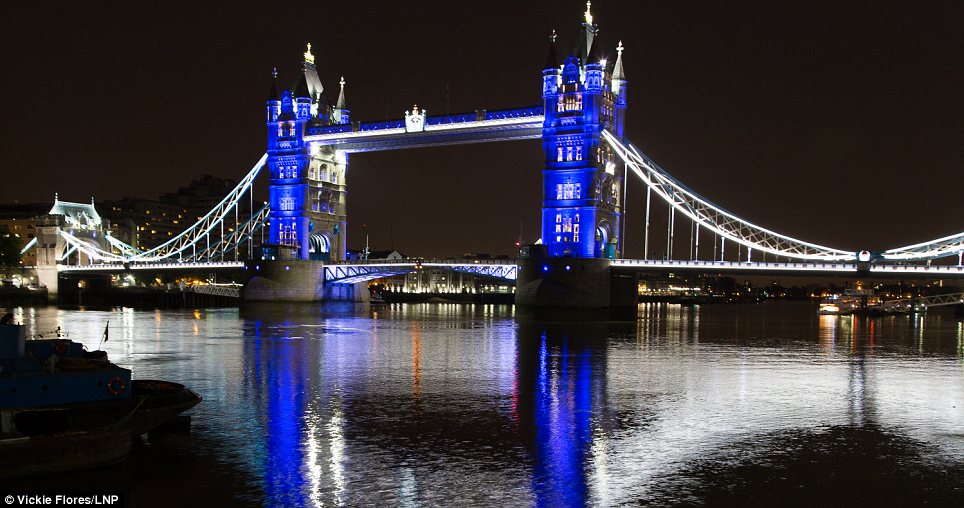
562,425
284,480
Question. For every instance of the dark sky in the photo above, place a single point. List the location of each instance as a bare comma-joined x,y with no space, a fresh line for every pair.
840,123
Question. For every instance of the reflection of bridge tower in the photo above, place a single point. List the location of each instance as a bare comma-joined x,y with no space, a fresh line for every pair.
561,378
308,207
83,222
582,182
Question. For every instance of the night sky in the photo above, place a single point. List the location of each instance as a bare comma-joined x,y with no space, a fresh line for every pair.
839,123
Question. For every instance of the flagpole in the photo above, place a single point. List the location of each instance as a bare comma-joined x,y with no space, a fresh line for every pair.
105,337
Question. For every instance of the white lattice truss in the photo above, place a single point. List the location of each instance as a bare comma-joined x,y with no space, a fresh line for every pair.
73,244
208,289
125,250
361,271
923,302
942,247
237,237
184,245
733,228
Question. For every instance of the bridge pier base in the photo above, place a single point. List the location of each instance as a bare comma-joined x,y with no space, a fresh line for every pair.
298,281
356,293
82,289
580,289
284,280
47,275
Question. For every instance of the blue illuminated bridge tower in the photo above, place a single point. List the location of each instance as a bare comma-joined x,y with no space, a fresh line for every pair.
307,190
583,183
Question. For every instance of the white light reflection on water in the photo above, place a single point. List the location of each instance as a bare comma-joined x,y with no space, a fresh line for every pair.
960,338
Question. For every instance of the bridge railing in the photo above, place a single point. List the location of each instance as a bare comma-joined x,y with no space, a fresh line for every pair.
877,269
750,265
918,269
363,270
119,267
425,261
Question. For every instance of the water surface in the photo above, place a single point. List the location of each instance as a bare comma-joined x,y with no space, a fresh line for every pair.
456,405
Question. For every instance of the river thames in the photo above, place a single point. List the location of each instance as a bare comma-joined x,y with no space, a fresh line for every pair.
461,405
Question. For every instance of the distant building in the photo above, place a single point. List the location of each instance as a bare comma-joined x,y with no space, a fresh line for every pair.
385,254
21,220
70,233
445,280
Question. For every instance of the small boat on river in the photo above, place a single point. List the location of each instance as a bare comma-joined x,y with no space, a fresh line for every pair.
62,407
852,301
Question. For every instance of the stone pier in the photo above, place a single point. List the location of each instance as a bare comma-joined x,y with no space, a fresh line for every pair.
297,281
574,289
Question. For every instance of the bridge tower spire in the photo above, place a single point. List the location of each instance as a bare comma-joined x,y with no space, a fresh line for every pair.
587,35
582,181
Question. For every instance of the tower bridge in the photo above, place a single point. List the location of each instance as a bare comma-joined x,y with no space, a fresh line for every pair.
587,170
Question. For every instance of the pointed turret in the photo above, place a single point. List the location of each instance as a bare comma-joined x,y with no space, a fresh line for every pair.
300,87
550,74
618,73
341,94
302,92
619,88
274,103
273,93
552,59
340,113
594,55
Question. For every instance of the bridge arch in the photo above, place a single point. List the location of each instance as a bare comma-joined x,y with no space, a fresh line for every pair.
319,247
603,234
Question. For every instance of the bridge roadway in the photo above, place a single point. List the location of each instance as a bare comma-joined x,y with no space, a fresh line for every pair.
801,268
357,271
475,127
361,271
150,266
